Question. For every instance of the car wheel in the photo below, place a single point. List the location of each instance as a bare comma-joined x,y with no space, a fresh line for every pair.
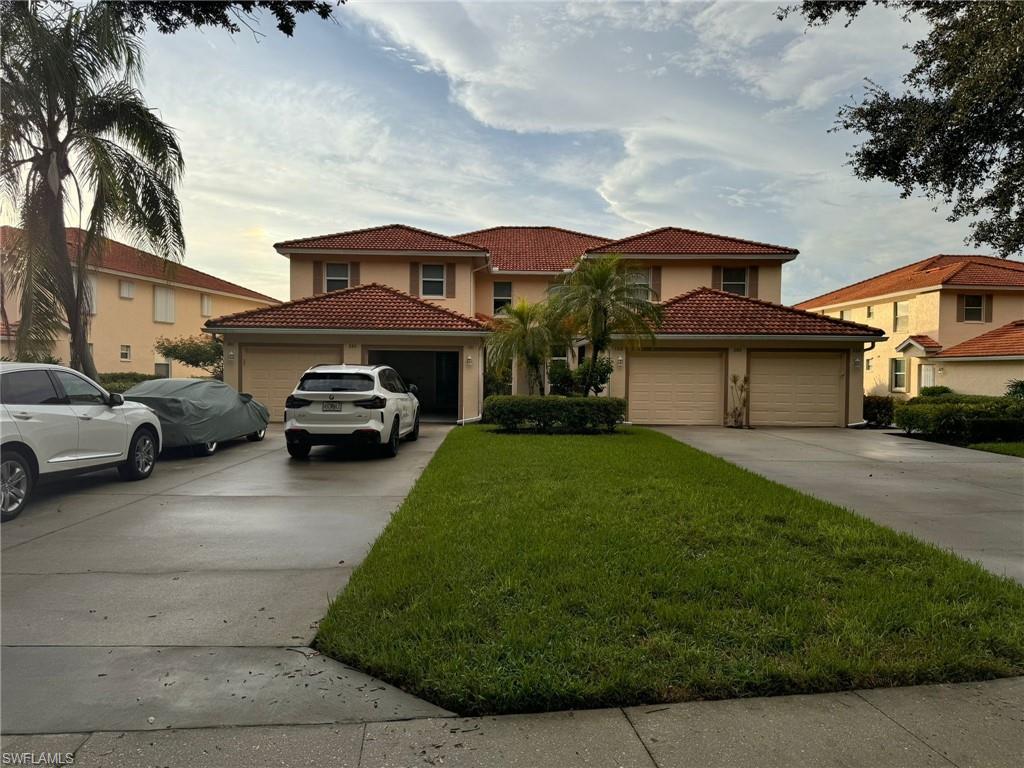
16,482
391,447
255,437
205,449
299,450
415,434
141,456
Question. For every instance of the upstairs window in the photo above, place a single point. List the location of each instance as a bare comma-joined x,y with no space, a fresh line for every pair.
432,280
844,314
640,279
974,308
335,277
502,296
163,304
734,280
901,315
126,289
206,305
871,311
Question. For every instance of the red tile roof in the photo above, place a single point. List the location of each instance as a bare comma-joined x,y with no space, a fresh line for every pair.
364,307
944,269
925,342
124,258
533,249
390,237
706,311
1006,341
673,240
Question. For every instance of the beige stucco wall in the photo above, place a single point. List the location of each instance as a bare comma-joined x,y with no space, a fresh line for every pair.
533,288
1007,306
353,349
737,361
120,321
978,378
679,276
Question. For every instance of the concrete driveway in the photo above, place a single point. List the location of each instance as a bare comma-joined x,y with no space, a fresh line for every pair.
970,502
189,599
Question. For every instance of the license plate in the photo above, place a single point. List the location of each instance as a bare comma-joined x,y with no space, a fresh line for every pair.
332,406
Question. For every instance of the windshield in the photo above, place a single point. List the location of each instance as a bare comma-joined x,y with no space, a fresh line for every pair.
336,382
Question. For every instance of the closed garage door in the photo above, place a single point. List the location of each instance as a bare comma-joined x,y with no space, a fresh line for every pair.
797,389
676,387
270,373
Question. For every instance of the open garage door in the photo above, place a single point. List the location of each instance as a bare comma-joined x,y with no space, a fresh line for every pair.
676,387
435,374
797,389
270,374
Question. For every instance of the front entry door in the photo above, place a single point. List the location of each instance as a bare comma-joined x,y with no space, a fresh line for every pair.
927,375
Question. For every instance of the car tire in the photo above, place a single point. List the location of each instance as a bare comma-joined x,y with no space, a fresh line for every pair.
142,453
16,476
391,446
299,450
255,437
205,449
415,434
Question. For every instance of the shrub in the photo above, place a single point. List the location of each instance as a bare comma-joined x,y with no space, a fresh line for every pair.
591,376
1015,389
878,410
560,379
963,421
121,381
554,413
935,391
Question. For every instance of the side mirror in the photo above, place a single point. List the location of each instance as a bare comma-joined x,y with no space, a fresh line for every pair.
413,389
115,400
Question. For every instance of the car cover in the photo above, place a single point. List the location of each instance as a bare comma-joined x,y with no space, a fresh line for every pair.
197,411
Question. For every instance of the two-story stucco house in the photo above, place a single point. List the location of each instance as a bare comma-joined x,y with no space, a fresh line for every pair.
421,302
955,321
134,298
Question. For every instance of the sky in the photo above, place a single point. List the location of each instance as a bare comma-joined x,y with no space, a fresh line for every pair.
605,117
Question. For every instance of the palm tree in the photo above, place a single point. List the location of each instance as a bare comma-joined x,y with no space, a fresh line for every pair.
526,332
602,300
76,133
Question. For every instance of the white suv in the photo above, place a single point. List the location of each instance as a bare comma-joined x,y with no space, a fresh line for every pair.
55,420
338,404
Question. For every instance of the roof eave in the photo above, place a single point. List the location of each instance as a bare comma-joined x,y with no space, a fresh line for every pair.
346,331
975,358
763,336
289,251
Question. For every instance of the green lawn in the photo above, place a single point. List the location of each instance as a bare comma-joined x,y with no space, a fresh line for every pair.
1008,449
531,572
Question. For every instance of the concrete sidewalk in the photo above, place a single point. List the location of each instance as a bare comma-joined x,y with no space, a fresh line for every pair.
972,724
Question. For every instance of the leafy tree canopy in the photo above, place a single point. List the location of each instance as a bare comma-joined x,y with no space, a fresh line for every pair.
955,133
205,352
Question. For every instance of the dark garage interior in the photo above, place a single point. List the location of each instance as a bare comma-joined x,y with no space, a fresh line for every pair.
435,374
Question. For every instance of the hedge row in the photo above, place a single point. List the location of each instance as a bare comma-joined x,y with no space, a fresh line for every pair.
963,421
121,381
878,410
554,413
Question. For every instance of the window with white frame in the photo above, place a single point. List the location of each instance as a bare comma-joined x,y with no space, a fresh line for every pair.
432,280
502,295
163,304
126,353
126,289
900,315
335,277
870,311
734,280
844,314
898,374
640,279
206,305
974,308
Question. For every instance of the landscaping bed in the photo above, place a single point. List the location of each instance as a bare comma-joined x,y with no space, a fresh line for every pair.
544,572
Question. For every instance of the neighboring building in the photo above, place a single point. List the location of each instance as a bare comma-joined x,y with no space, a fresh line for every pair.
136,297
421,301
951,320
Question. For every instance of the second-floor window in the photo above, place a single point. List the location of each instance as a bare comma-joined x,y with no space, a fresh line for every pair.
870,311
641,280
502,295
901,315
335,277
163,304
734,280
126,289
206,305
432,280
844,314
974,308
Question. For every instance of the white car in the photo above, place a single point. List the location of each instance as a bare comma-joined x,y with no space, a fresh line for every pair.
54,420
340,404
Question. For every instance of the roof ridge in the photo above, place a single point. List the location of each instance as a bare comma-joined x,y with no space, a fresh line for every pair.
761,243
371,229
766,303
869,279
535,226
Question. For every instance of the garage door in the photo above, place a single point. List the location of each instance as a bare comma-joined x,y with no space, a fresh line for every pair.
676,387
797,390
270,373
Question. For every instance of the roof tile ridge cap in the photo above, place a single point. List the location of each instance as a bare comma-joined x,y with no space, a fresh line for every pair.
683,295
789,308
293,302
628,238
535,226
331,234
419,300
762,243
880,275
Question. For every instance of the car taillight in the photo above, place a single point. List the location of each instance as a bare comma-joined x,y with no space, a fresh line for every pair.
296,402
374,403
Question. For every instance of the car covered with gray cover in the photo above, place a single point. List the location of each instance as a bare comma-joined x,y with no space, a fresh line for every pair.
200,413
